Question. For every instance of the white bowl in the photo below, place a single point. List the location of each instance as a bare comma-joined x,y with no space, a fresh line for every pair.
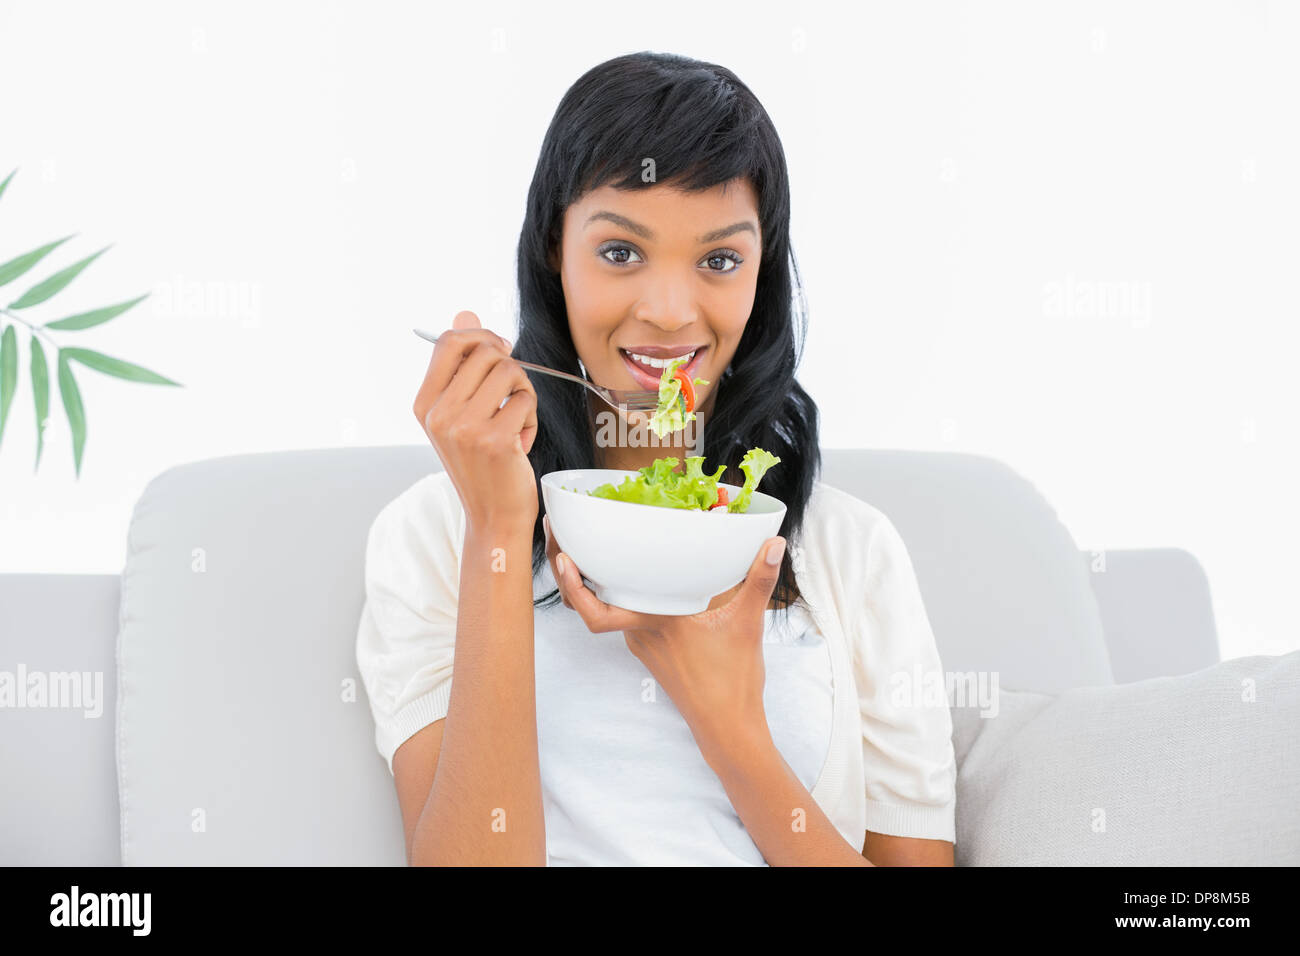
649,558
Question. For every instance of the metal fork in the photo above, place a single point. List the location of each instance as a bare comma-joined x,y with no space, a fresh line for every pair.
628,399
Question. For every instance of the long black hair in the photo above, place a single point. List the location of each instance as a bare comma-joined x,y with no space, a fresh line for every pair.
703,127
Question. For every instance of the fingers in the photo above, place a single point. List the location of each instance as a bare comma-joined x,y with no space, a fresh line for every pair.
468,377
505,380
498,399
595,613
465,319
449,353
599,617
518,417
553,549
760,582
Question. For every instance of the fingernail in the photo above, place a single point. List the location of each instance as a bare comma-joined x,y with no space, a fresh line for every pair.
562,563
774,552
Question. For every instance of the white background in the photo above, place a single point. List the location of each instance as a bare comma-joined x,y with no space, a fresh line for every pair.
1061,235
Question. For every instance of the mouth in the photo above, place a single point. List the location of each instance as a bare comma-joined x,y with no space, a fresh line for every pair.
647,375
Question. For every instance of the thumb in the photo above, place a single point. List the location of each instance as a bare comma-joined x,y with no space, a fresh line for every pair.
763,573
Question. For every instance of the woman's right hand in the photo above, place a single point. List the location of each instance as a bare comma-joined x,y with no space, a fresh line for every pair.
482,444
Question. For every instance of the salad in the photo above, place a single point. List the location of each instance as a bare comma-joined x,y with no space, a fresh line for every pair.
659,484
676,399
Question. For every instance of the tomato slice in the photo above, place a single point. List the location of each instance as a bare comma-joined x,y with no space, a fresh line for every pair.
688,389
723,497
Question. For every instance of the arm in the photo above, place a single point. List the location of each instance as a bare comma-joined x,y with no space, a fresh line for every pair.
470,789
886,850
782,818
469,785
788,826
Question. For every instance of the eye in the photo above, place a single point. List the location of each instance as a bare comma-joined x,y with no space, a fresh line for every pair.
724,256
719,262
614,247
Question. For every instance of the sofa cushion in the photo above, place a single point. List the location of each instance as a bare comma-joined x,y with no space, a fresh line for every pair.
1196,770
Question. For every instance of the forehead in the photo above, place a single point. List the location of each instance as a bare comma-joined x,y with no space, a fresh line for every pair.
666,210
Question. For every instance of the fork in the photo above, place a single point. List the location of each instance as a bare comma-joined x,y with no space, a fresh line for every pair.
628,399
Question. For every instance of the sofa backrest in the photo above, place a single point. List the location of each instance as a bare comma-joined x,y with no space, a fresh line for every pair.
1005,587
243,733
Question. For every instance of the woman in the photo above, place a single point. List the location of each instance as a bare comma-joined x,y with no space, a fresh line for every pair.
759,731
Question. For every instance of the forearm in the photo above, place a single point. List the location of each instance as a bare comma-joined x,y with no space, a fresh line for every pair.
485,805
782,819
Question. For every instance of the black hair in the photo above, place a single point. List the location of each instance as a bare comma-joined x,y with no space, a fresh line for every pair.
703,127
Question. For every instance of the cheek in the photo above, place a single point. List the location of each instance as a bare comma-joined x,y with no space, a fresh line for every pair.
594,302
731,309
593,307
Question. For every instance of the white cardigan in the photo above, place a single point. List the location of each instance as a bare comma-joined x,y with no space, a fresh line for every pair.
891,767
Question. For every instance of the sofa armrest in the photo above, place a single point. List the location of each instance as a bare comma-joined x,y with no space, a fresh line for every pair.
1156,612
59,805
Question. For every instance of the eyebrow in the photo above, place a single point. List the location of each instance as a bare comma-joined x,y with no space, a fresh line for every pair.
644,233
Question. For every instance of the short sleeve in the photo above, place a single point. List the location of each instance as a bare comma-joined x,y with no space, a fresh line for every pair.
908,760
407,633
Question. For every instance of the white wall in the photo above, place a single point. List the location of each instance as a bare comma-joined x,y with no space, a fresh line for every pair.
300,183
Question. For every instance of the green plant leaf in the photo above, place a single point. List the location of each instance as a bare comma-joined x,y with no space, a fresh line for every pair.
8,373
19,264
114,366
86,319
4,184
72,405
44,290
40,395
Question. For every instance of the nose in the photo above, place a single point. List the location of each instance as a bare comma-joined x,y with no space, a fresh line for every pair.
667,304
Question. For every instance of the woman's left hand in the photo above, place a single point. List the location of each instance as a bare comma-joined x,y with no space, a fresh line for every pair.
710,663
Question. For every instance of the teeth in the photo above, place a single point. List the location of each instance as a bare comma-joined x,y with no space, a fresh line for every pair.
657,362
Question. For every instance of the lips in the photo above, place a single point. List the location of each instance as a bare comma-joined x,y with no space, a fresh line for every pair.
648,378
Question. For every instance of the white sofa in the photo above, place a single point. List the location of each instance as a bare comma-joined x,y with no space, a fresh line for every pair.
234,727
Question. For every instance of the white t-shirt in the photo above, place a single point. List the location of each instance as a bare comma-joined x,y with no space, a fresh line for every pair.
623,781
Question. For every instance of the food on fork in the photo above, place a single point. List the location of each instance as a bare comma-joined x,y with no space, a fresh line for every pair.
676,398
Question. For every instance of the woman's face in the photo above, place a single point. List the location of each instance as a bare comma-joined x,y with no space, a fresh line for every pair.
660,272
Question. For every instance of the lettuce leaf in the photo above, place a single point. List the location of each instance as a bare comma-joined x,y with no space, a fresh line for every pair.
660,484
755,464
